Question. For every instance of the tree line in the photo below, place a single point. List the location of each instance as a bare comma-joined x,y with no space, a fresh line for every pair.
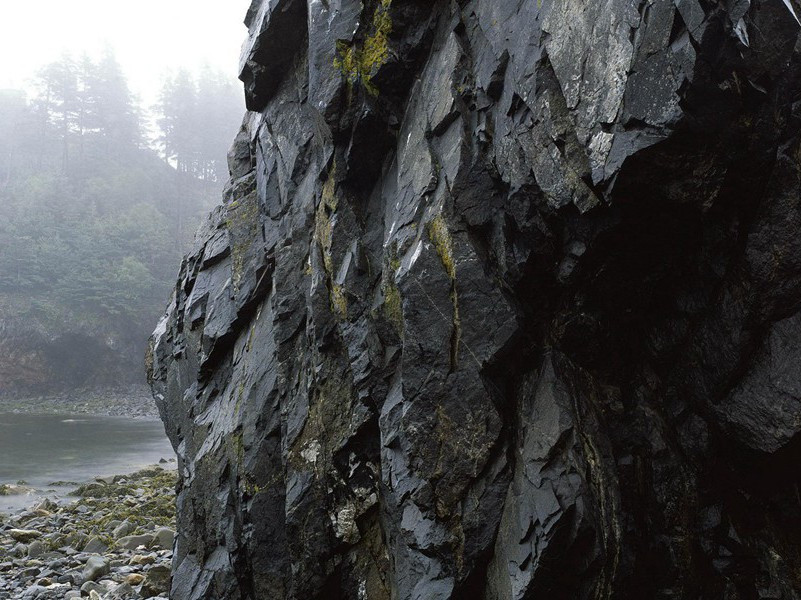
96,209
83,109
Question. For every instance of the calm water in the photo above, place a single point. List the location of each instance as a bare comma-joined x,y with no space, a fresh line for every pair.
41,449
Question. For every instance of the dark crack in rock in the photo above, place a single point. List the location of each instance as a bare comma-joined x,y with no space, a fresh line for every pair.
503,301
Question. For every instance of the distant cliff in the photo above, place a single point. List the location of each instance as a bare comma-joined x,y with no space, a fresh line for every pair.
503,301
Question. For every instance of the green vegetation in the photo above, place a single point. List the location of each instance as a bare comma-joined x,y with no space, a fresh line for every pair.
145,499
93,220
323,236
441,238
393,303
360,63
196,118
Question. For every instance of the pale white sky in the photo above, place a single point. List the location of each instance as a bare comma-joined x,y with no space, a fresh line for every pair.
149,36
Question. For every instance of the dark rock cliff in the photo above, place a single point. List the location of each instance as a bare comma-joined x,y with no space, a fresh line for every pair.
503,302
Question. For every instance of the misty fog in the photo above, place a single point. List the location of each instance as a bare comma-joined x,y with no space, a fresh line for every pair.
115,123
115,120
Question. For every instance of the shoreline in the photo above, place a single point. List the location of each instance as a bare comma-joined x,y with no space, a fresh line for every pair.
133,402
112,540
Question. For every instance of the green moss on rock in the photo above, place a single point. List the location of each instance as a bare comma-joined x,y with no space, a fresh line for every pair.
360,63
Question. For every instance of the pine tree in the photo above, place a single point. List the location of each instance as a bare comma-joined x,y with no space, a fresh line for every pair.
14,115
179,121
218,105
197,116
118,116
59,103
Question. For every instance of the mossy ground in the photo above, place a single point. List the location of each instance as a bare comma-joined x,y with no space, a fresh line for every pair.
145,499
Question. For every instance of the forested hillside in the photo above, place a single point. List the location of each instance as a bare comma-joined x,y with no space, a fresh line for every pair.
98,197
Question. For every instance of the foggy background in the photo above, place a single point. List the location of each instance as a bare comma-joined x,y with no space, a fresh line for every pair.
149,36
115,122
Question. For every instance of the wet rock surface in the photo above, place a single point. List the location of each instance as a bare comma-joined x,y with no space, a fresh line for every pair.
502,302
77,550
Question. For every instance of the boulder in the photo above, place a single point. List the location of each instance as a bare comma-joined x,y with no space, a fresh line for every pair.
132,542
24,536
157,581
95,568
164,538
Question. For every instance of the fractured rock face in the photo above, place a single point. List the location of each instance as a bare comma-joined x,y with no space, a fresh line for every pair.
502,301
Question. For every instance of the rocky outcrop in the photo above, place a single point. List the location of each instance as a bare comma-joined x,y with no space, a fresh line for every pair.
502,302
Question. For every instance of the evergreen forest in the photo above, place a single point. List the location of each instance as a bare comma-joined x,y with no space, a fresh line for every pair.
99,198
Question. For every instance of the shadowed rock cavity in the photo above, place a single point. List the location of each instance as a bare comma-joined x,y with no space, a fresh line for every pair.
502,302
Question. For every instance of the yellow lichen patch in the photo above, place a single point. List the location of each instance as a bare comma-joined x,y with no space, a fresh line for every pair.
323,228
360,64
347,61
240,394
242,221
250,486
441,238
237,445
393,303
323,236
339,304
393,306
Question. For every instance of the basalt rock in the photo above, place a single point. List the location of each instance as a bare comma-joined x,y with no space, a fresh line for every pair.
503,301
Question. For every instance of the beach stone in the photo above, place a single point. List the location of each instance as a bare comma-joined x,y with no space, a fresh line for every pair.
91,586
19,550
33,591
95,546
123,529
39,592
123,592
157,581
24,535
35,549
75,539
47,505
96,567
132,542
164,538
